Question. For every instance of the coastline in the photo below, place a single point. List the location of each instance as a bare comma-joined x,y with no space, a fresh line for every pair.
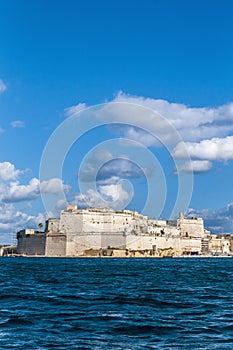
119,257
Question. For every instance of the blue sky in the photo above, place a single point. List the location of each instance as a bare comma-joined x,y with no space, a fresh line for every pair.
174,57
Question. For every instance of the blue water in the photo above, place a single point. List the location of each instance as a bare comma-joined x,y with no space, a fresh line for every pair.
116,303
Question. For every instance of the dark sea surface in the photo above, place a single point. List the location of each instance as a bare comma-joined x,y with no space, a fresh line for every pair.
102,303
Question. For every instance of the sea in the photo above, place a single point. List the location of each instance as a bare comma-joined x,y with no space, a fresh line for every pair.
108,303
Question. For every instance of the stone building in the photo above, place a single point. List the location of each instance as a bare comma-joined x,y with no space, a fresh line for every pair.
221,244
79,231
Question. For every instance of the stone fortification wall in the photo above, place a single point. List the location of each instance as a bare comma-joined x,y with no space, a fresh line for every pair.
56,245
71,222
163,230
52,225
145,242
191,245
78,231
78,243
116,240
160,223
31,244
231,243
191,227
101,220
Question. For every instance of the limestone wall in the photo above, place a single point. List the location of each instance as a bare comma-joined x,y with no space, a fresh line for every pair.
78,243
215,244
52,225
231,244
31,244
101,220
79,230
139,242
55,245
71,222
191,227
190,245
113,240
145,242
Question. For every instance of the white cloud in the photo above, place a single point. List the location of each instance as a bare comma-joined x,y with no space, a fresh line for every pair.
216,149
217,221
53,186
14,192
194,166
11,190
102,167
193,124
18,124
92,163
8,171
1,130
114,193
112,180
139,135
122,168
61,205
134,121
206,131
13,220
112,196
75,109
3,86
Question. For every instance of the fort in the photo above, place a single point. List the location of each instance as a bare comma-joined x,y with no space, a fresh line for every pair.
105,232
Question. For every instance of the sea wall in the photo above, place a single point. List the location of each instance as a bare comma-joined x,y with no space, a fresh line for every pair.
31,244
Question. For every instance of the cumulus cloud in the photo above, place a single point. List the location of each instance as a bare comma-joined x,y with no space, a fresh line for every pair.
134,121
1,130
217,221
75,109
100,180
114,193
206,132
13,220
53,186
61,205
194,166
112,196
122,168
216,149
103,180
135,134
18,124
3,86
8,171
14,192
193,124
102,167
92,163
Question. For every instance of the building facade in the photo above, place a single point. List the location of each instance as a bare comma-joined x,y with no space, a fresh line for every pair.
103,231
